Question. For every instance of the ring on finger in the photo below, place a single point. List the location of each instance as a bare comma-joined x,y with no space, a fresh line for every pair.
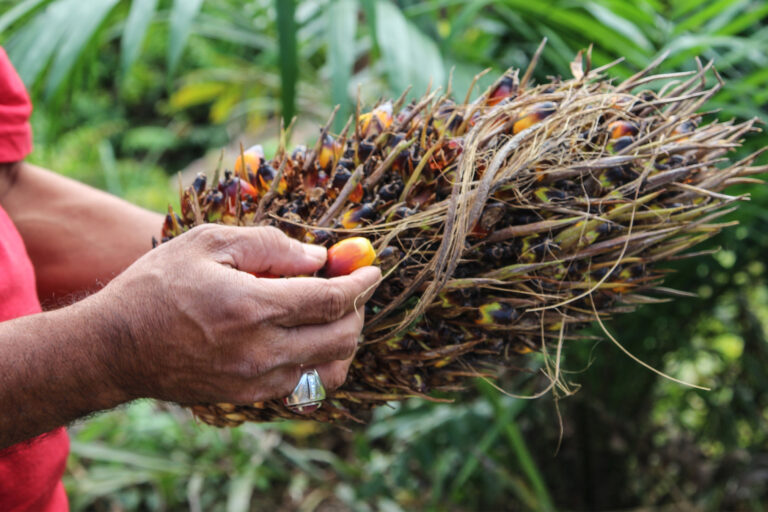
308,395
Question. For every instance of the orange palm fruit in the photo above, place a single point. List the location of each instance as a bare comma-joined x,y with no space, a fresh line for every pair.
267,175
532,115
376,121
684,127
330,152
506,88
349,255
253,156
622,128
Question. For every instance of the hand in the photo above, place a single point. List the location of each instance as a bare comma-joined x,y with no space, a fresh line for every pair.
198,327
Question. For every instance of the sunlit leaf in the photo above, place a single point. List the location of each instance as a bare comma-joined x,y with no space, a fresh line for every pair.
183,14
221,110
83,22
621,25
31,48
142,12
709,11
751,16
16,12
683,7
196,93
410,57
569,20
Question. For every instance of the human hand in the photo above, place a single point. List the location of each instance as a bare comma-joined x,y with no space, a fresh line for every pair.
195,326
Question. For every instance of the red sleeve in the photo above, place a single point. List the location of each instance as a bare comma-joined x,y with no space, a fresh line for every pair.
15,109
30,472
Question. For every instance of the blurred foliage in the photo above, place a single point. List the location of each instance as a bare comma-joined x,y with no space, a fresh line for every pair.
128,92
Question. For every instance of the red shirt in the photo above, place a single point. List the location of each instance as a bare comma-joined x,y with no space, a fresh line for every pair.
30,472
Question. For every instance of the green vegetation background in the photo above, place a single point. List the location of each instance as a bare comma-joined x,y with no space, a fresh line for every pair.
128,93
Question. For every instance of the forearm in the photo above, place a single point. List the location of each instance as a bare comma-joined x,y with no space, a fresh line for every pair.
77,237
56,367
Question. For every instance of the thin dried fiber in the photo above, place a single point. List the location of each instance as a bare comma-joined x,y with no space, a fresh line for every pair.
502,225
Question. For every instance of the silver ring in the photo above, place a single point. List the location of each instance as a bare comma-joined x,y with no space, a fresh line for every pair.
308,395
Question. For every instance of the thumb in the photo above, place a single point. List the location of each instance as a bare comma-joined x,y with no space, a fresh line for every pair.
266,250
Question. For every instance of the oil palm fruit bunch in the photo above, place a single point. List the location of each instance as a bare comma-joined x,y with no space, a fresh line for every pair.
502,225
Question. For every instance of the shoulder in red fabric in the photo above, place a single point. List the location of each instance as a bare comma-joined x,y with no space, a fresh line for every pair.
15,109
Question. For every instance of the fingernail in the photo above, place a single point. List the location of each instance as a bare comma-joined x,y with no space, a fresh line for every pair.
316,252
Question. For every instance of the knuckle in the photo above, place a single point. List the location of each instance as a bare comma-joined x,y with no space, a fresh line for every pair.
211,236
234,308
335,377
335,302
250,367
270,237
202,228
290,378
346,337
347,347
245,396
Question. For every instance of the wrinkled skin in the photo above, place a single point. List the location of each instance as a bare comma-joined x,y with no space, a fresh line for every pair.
187,322
230,336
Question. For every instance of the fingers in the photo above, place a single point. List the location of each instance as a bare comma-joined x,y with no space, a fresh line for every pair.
316,344
281,382
307,301
263,249
329,349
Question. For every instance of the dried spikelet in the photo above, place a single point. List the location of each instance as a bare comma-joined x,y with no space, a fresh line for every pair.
502,225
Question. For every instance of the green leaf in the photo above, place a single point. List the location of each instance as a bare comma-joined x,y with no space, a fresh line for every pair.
619,24
142,12
369,11
466,16
517,445
642,14
240,491
183,13
472,460
196,93
342,23
410,57
686,47
14,13
31,48
98,451
288,55
83,22
464,73
106,481
148,138
703,16
566,20
745,20
683,7
109,166
224,30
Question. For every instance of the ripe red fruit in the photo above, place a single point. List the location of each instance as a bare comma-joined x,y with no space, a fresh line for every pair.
349,255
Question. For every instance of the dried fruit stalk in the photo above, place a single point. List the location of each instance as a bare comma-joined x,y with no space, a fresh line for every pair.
502,225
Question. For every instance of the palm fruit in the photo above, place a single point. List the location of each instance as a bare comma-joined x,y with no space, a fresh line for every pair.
502,225
349,255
